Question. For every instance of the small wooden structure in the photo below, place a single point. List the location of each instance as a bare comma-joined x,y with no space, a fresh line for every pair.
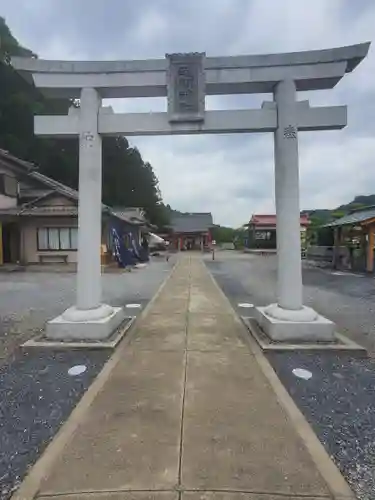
356,231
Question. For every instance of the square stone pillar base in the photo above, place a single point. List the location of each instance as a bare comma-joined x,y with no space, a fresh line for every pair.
319,329
62,328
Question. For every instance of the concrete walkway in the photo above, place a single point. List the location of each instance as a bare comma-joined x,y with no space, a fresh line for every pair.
186,412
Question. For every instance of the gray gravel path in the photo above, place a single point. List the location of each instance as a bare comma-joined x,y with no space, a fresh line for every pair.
339,402
36,396
36,392
339,399
346,299
29,299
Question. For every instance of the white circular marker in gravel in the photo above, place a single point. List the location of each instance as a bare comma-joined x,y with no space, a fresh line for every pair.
133,306
245,304
77,370
302,373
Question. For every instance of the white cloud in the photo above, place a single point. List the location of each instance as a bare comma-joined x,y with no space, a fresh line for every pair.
231,176
334,170
195,172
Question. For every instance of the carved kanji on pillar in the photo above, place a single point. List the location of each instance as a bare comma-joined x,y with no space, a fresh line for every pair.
290,132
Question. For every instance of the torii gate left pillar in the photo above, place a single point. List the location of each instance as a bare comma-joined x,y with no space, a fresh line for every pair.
89,318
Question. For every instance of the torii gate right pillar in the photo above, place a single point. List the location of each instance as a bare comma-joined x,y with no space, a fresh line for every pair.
289,283
289,319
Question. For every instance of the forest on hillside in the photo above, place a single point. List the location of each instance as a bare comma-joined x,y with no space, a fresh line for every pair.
319,234
128,180
323,216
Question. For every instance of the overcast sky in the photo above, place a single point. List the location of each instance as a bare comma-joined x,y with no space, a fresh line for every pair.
229,175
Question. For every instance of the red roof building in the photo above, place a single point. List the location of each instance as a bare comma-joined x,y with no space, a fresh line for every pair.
269,221
262,231
191,231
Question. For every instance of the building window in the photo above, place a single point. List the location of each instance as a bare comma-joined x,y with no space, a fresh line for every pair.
64,236
57,238
8,185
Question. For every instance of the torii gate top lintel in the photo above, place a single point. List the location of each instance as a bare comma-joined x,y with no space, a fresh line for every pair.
311,70
185,79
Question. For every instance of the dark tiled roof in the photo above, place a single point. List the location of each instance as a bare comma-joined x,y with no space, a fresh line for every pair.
354,218
29,170
41,211
191,223
8,157
50,210
55,185
130,214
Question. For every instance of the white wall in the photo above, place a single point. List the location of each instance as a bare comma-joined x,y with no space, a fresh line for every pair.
29,247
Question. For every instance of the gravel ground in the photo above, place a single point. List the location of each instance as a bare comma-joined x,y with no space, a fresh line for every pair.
346,299
36,392
339,402
29,299
36,396
339,399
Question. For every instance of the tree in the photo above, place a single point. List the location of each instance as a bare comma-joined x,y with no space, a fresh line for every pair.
127,177
337,214
9,46
19,102
128,181
222,234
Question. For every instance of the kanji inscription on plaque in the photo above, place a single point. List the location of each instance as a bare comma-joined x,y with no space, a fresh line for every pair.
186,87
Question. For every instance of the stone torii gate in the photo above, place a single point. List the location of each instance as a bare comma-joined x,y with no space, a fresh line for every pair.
185,79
